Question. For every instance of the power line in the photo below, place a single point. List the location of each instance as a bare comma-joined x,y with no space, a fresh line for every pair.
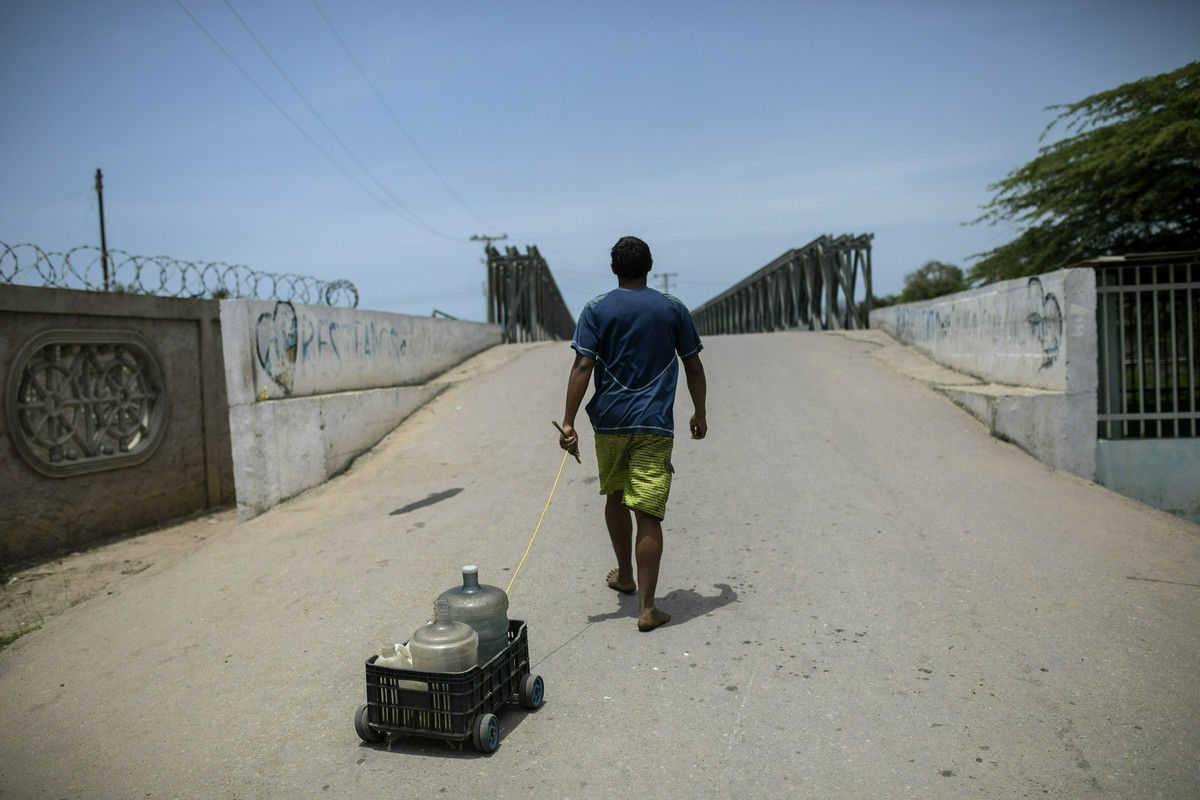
461,290
291,120
279,108
44,205
327,127
705,283
396,119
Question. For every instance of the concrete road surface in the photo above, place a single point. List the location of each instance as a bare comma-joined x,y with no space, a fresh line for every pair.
872,598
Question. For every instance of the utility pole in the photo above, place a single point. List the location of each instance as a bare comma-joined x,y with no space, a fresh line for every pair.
489,239
489,289
103,239
664,279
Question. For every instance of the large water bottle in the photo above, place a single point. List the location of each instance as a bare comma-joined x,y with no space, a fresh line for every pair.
484,608
444,645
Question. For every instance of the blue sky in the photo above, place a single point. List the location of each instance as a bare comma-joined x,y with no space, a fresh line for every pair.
721,133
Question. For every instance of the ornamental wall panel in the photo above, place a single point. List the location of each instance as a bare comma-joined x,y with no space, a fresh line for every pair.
82,401
114,417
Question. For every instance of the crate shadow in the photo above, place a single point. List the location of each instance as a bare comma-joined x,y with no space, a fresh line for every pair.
510,717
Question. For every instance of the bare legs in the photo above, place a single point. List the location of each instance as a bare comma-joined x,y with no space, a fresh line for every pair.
648,549
620,531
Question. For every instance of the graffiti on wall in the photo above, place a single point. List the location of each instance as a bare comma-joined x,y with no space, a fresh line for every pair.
1038,311
275,344
1045,320
287,342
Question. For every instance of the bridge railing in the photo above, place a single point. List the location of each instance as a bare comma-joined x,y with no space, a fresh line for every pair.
809,288
1148,310
523,298
87,268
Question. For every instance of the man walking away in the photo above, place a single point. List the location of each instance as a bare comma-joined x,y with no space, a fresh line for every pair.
630,339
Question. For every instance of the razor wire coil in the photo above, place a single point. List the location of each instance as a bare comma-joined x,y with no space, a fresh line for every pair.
82,268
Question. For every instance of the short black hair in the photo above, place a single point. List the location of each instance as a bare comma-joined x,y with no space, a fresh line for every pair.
631,257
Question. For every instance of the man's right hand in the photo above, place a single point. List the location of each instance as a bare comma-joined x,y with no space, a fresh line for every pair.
568,439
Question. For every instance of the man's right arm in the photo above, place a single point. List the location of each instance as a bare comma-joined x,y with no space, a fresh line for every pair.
577,383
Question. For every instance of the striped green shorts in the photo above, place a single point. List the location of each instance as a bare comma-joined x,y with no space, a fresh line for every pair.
638,464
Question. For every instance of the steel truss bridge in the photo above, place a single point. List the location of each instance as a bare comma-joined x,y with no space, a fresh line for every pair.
809,288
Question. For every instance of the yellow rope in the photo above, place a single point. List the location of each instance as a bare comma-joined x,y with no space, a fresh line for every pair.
539,525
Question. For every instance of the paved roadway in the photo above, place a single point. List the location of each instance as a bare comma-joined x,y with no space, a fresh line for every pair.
872,599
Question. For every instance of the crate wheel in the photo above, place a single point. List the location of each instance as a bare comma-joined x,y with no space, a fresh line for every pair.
365,731
486,734
532,692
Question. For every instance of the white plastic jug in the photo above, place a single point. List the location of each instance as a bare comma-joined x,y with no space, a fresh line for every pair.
394,656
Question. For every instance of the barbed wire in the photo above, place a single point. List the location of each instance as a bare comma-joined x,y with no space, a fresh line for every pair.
82,268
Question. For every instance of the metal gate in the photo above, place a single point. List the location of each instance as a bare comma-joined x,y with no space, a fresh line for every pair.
1148,309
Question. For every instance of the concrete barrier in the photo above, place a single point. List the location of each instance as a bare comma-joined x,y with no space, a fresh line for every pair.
311,387
1031,343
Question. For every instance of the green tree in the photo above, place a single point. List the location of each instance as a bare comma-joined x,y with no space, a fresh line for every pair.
1126,179
932,280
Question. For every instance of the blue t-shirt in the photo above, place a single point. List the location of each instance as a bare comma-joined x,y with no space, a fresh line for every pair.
634,336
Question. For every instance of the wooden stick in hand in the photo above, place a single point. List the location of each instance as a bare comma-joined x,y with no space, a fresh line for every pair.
564,433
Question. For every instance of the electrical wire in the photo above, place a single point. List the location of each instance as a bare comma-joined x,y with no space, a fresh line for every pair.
12,214
292,120
448,292
396,119
280,108
321,119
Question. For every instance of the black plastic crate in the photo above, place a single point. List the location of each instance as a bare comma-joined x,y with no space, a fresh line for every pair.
449,705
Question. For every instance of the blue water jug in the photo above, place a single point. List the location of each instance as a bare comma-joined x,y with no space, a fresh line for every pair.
484,608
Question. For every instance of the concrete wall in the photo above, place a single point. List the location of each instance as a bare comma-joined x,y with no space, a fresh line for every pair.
1032,344
311,387
189,468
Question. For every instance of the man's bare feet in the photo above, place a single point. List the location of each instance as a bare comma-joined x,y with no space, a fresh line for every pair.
652,620
614,583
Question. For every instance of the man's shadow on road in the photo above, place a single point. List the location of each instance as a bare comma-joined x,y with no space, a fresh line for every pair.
683,605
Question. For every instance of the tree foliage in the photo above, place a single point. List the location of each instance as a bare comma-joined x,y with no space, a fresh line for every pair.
1126,179
932,280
